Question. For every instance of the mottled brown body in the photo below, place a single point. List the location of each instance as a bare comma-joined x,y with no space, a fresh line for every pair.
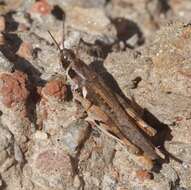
108,110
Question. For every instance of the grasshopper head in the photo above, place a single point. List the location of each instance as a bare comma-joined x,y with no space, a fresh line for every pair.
67,57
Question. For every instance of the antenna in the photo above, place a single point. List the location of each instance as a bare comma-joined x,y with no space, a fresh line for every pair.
54,40
63,31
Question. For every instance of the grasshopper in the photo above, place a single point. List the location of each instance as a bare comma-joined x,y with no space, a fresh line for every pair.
109,111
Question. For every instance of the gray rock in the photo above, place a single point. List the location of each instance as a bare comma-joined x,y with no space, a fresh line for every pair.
108,183
6,138
52,169
5,64
18,154
170,174
91,23
73,136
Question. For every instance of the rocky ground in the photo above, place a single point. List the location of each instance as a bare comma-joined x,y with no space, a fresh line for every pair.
141,47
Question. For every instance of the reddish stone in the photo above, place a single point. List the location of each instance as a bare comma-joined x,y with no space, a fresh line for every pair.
13,88
52,162
42,7
56,88
143,175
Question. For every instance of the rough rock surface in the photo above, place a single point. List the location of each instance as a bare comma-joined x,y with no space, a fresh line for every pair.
141,48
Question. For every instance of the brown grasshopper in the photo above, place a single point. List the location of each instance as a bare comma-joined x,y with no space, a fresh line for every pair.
108,111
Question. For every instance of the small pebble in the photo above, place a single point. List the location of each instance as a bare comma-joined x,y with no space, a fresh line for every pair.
40,135
77,182
42,7
5,64
55,88
18,154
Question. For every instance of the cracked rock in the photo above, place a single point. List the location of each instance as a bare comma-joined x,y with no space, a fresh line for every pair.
52,169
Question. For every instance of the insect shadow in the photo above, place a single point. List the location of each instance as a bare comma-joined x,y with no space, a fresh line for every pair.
10,24
163,130
126,29
9,50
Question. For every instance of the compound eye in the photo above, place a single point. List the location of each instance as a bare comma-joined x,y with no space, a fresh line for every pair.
65,61
65,57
